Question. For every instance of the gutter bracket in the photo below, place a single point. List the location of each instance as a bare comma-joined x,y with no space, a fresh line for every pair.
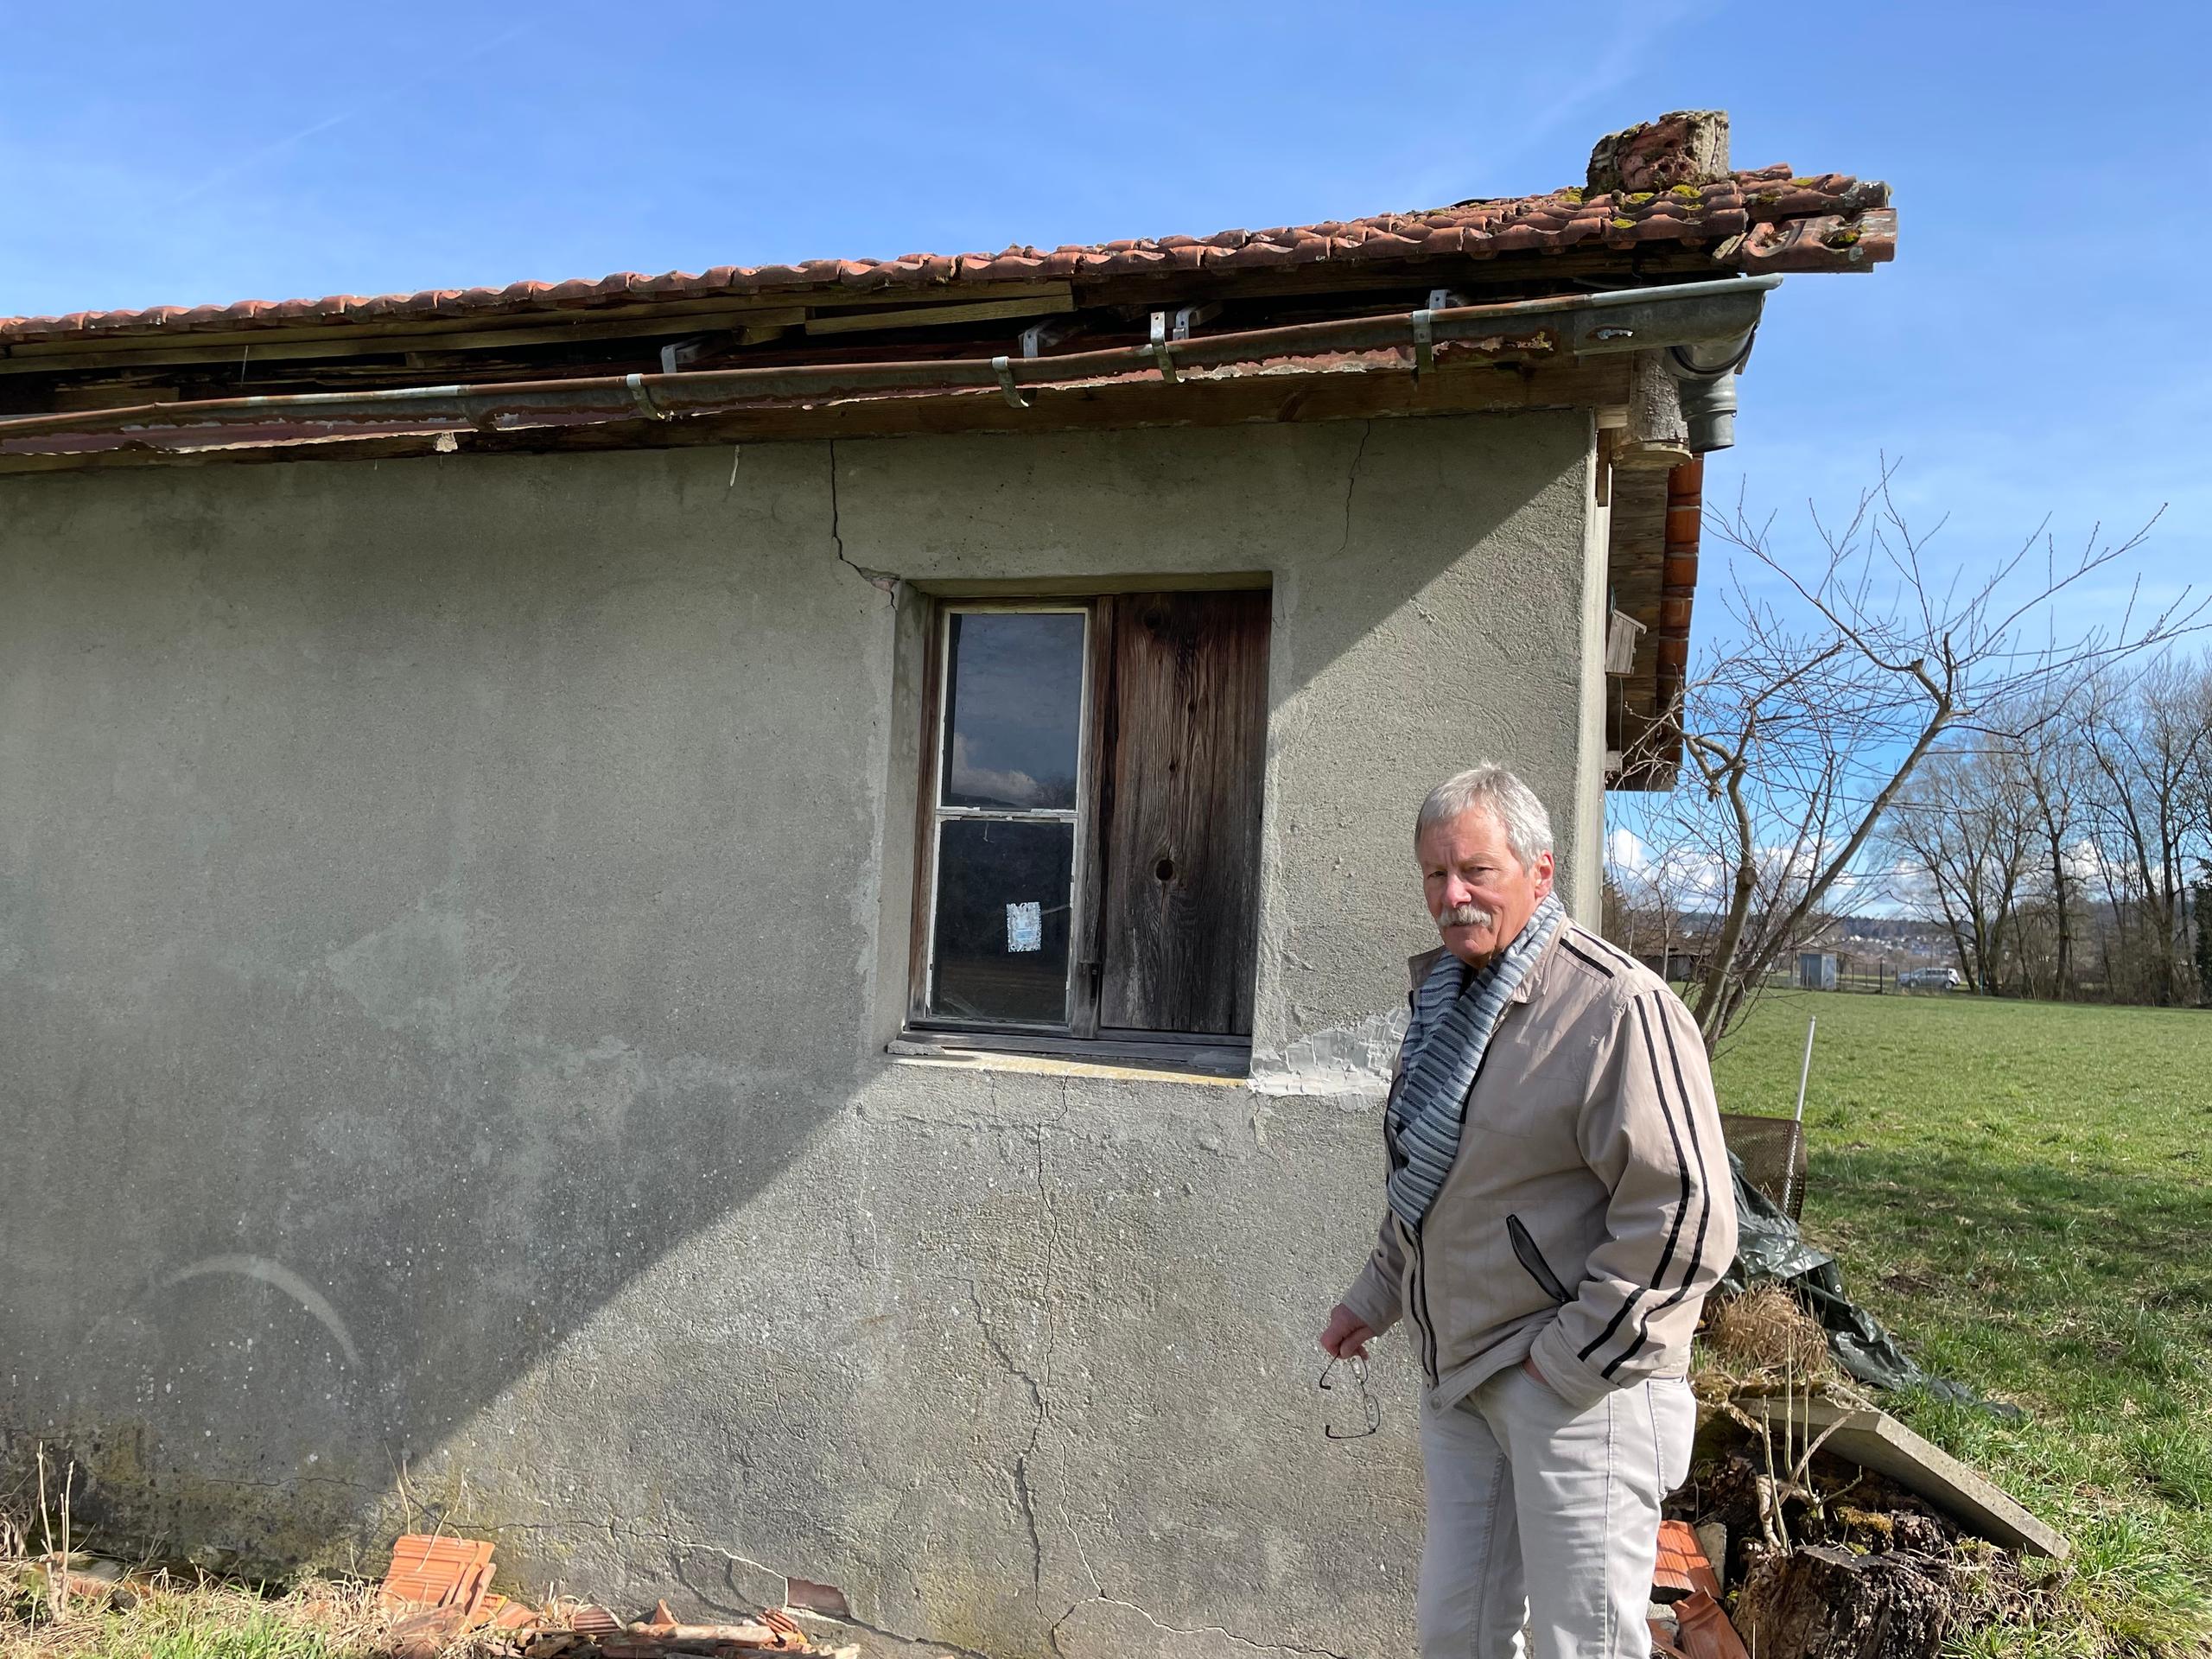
642,398
1189,317
680,354
1161,354
1050,332
1003,367
1424,321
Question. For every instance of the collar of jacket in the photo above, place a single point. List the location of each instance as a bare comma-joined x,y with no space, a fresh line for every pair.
1417,967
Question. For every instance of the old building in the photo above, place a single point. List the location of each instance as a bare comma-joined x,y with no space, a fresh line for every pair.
743,928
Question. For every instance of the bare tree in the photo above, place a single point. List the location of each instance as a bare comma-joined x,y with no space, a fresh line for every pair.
2054,771
1651,900
1798,738
1964,827
2149,739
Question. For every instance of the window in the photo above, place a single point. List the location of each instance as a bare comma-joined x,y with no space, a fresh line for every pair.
1089,837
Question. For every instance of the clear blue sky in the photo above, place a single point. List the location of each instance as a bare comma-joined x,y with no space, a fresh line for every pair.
2039,347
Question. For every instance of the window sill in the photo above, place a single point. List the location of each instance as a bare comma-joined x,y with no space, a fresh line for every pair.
1186,1062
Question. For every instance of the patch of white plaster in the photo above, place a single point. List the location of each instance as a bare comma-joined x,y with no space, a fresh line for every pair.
426,972
279,1276
1335,1060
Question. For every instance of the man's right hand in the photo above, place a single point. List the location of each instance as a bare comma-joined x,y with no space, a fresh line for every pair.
1346,1335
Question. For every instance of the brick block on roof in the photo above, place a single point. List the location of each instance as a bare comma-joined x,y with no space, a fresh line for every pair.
1687,147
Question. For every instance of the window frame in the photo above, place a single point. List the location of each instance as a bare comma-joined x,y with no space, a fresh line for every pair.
1081,1002
1081,1037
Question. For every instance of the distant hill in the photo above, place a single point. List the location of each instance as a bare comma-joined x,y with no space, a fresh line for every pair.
1900,930
1863,941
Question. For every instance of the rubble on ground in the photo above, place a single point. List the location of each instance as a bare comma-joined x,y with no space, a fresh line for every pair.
438,1589
436,1602
1814,1526
1829,1561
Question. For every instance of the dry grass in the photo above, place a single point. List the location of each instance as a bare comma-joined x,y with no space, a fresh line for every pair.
163,1617
1766,1329
96,1610
1762,1342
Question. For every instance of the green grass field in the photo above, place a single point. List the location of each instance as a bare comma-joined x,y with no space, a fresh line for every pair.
2022,1192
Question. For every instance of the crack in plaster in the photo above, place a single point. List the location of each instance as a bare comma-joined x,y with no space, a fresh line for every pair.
292,1484
474,1523
1052,1241
1052,1636
848,1619
1352,484
1024,1493
883,579
672,1541
1099,1597
850,1622
1024,1498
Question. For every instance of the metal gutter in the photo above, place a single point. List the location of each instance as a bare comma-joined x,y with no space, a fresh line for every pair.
1627,320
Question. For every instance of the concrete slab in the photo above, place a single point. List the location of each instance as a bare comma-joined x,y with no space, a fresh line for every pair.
1876,1440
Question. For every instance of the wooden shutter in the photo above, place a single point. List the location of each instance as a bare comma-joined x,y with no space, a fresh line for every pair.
1185,755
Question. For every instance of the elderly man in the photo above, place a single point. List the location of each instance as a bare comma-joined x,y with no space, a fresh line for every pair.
1559,1205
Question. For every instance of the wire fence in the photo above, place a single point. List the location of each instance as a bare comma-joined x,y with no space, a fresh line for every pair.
1881,980
1877,979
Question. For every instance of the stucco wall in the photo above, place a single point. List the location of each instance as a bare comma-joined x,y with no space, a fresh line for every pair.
450,913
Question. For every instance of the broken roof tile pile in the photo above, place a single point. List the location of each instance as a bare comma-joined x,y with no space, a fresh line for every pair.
437,1589
1766,220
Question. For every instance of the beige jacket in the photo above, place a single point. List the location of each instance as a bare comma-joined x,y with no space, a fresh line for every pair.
1590,1208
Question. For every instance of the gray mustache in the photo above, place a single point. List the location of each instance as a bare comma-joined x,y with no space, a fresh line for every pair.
1466,916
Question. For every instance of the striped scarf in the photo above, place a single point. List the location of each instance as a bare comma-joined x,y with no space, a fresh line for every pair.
1454,1014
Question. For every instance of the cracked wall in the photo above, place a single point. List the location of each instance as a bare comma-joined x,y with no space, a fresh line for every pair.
450,913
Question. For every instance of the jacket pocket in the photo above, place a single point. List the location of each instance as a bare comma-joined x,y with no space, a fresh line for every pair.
1525,1246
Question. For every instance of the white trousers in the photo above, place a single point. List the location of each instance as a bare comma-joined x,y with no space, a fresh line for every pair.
1542,1517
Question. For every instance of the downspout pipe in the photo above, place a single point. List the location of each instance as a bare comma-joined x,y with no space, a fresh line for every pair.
1707,374
1687,315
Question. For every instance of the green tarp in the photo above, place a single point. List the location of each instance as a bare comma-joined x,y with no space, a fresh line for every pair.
1770,1250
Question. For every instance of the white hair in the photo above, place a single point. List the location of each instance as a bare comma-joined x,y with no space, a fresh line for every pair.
1494,789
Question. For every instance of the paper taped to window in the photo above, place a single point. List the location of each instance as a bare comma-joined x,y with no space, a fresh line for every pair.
1025,926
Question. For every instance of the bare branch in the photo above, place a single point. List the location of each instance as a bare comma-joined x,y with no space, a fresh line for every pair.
1801,743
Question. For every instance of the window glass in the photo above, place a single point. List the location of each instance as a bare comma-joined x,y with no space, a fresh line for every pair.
1014,710
1002,936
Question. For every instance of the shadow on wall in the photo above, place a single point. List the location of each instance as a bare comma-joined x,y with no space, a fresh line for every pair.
429,894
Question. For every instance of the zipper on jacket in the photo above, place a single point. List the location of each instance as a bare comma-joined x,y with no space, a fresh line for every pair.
1418,1311
1428,1354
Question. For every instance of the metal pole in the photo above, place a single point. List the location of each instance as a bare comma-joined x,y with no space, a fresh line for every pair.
1790,1171
1805,1070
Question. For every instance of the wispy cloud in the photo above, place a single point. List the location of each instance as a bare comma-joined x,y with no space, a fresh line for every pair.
392,94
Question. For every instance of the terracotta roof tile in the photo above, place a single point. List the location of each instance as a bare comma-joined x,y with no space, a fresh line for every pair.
1787,222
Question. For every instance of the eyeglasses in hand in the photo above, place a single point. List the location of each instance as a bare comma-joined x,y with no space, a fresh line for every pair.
1357,1364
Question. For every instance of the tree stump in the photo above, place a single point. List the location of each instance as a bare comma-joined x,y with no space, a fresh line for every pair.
1826,1602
